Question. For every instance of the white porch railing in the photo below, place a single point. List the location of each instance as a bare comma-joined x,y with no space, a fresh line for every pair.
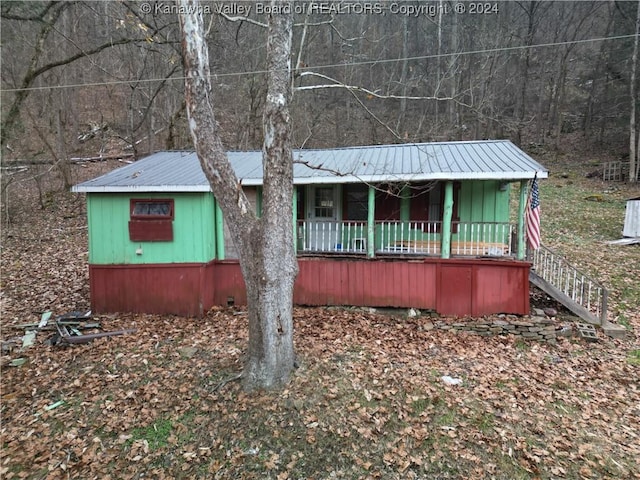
330,236
409,237
405,237
486,238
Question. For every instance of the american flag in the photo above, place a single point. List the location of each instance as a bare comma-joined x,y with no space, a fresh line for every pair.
533,216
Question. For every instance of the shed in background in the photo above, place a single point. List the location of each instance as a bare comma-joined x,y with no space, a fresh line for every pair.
632,219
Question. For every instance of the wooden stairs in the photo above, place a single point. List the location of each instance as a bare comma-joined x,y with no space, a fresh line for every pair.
582,295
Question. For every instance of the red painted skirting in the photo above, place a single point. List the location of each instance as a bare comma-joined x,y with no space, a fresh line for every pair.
174,288
460,287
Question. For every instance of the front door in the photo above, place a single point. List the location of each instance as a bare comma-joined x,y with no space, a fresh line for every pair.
322,214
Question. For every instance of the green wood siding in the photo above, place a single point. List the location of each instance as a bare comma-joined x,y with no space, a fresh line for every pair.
482,201
193,230
484,212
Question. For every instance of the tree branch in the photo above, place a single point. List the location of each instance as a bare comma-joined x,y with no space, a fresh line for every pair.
38,17
243,19
240,18
355,88
33,73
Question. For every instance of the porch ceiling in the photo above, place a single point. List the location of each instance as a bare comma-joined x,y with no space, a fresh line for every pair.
180,171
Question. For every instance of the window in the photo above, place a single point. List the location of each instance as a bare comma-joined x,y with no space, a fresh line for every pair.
152,209
427,203
151,220
323,202
387,202
356,202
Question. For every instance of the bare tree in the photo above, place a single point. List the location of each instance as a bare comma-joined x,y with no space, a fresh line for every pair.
633,87
46,19
530,9
265,245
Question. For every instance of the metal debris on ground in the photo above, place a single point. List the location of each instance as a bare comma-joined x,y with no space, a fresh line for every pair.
77,319
44,319
625,241
69,329
28,339
74,336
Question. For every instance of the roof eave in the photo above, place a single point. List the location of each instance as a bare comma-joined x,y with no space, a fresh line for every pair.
139,188
505,176
253,182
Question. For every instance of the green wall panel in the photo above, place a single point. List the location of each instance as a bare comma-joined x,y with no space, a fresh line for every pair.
483,201
193,230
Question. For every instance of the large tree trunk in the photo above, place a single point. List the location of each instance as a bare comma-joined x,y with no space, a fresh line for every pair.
633,93
270,275
265,245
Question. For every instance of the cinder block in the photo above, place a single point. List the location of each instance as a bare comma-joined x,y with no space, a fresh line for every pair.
585,326
588,334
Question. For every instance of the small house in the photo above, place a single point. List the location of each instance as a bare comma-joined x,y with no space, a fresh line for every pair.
425,225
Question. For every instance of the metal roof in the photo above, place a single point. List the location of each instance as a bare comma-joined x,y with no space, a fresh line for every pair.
180,171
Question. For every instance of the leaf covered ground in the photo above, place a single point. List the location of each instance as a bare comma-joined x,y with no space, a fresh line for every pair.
367,401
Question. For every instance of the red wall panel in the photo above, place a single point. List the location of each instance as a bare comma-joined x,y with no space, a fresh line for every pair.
228,284
452,287
455,290
381,283
160,288
500,289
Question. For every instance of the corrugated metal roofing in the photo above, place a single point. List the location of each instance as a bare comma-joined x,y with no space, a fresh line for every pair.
181,172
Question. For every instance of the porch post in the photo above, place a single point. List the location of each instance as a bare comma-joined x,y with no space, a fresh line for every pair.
521,206
219,233
295,219
405,205
259,201
371,216
445,245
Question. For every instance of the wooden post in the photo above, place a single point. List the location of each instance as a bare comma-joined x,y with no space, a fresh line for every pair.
521,226
405,204
447,214
371,216
259,202
295,219
219,233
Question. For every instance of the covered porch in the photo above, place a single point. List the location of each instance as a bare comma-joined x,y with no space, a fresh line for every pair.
441,219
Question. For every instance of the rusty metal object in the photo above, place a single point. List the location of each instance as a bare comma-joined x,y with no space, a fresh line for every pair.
80,339
69,337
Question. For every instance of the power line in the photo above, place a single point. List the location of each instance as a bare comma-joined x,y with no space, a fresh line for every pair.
336,65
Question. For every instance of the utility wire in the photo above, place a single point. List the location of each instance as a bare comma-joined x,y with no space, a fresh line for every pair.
335,65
